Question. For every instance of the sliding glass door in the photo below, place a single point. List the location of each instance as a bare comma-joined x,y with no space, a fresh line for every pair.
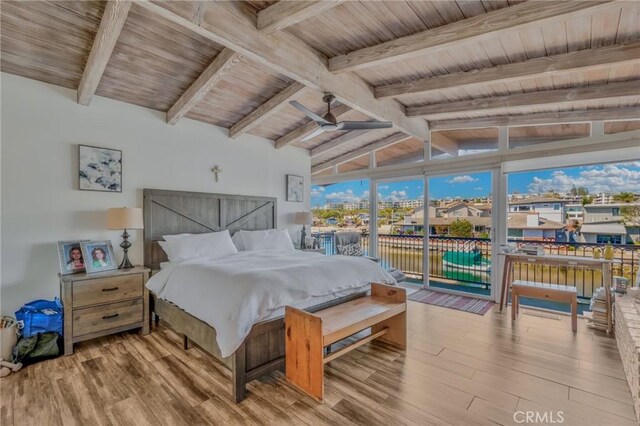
400,226
460,219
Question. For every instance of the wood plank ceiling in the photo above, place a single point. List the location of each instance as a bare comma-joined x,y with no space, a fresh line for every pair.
454,64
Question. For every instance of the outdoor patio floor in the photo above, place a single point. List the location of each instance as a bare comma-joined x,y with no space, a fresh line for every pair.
474,290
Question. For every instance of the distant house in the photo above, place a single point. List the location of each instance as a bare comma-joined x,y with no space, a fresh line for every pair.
574,212
480,224
457,209
548,208
531,226
526,226
485,209
598,213
604,223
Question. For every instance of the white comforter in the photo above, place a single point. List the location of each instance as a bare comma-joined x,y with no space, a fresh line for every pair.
234,292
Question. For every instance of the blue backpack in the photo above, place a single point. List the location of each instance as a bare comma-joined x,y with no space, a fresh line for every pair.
40,316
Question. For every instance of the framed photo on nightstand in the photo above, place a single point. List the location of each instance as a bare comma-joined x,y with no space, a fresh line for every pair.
70,258
98,256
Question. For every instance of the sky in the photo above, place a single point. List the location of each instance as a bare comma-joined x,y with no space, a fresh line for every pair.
601,178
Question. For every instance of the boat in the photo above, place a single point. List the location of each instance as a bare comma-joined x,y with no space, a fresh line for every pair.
469,260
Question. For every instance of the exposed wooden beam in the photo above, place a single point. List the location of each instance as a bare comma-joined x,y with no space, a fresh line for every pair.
211,76
372,147
583,116
583,60
481,27
284,14
627,89
226,24
113,19
445,144
336,142
262,112
302,131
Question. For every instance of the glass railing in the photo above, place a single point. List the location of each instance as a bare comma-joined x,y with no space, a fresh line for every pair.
468,260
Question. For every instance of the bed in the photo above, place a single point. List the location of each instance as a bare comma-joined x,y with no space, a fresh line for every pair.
175,212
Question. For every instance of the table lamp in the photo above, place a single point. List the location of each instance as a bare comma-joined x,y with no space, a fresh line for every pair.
303,218
125,218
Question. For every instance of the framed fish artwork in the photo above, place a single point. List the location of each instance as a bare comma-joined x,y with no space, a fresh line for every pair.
295,188
99,169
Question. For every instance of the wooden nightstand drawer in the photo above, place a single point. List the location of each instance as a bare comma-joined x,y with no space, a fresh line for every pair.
104,303
105,317
106,290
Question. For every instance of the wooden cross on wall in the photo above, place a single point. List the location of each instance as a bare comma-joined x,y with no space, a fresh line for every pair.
216,171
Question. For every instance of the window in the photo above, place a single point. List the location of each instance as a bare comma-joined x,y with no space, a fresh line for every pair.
343,205
455,143
533,135
514,233
408,151
609,239
615,211
556,206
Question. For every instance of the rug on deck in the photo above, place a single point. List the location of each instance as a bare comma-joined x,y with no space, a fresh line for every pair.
460,303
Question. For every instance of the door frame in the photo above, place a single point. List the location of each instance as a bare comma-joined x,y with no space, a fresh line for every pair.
498,218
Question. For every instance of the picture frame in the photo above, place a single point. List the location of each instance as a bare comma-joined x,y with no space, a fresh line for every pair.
68,260
99,169
295,188
98,256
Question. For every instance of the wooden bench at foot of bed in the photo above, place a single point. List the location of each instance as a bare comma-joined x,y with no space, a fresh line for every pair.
307,334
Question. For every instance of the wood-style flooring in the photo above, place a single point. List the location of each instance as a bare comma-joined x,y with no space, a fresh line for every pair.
459,369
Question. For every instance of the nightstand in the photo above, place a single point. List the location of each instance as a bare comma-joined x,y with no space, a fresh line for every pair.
318,250
104,303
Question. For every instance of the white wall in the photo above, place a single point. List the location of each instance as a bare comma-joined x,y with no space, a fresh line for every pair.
41,128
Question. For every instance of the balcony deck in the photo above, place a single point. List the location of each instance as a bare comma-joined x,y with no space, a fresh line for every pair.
459,368
583,303
405,252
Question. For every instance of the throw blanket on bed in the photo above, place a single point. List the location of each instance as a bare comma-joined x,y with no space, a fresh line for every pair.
234,292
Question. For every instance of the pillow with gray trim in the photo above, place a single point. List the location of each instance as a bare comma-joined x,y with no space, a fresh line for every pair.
350,249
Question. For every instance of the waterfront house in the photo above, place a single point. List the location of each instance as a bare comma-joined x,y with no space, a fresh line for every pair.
547,207
616,223
532,226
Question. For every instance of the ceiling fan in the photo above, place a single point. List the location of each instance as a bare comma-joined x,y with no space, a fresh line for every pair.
328,122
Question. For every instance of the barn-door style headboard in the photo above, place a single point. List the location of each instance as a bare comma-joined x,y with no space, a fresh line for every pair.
178,212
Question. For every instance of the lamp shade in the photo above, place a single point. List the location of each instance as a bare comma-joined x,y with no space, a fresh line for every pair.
303,218
125,218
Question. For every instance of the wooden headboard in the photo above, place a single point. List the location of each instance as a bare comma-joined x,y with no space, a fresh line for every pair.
177,212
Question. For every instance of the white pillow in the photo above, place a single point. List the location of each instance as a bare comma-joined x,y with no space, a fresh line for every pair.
237,240
211,245
165,247
271,239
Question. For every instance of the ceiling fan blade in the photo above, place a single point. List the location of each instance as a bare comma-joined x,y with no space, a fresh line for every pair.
364,125
313,135
306,111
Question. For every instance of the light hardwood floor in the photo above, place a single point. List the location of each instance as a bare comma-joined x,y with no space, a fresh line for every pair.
459,369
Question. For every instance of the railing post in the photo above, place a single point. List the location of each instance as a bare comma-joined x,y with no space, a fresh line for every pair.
425,223
373,218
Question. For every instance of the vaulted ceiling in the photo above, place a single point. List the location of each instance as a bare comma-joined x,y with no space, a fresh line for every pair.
445,65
